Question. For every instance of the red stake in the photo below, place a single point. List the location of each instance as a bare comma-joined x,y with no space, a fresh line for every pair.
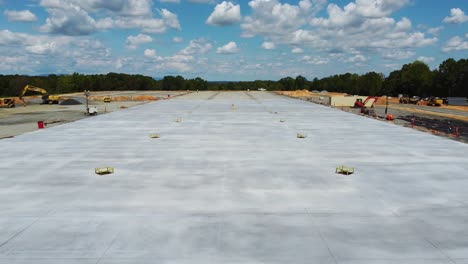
456,132
412,122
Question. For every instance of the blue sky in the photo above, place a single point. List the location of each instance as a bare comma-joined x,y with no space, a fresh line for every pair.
229,40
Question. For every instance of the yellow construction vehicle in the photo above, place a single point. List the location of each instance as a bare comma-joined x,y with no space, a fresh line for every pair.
106,99
7,102
405,99
46,98
435,101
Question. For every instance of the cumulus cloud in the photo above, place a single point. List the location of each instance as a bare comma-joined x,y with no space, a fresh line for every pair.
74,17
121,7
177,39
229,48
272,17
20,16
356,58
435,31
150,25
364,25
67,18
134,41
297,50
426,60
187,59
268,45
398,54
456,44
150,53
11,38
201,1
196,46
42,48
170,19
225,14
315,60
53,53
457,16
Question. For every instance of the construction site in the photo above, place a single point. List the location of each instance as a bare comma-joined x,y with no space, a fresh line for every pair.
230,177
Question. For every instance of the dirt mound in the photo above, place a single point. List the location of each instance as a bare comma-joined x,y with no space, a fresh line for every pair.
383,99
70,102
297,93
125,98
145,98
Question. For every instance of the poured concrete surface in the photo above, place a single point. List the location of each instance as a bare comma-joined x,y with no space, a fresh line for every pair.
232,185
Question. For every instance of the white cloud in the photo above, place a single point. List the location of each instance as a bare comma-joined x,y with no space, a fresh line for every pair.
122,7
170,1
456,44
42,48
134,41
398,54
225,14
457,16
297,50
356,58
177,39
150,53
20,16
268,45
11,38
170,19
315,60
426,60
186,60
201,1
273,18
435,31
54,53
196,46
73,17
363,25
67,18
229,48
403,25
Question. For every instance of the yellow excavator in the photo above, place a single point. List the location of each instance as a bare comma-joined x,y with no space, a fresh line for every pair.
46,98
7,102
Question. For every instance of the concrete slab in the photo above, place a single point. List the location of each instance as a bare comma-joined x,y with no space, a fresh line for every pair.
229,182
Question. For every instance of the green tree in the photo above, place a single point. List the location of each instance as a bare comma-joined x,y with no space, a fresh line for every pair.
417,78
300,82
287,83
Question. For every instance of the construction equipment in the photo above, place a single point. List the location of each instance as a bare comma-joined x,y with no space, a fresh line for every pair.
46,98
104,171
90,110
301,135
106,99
405,99
344,170
7,103
435,101
369,102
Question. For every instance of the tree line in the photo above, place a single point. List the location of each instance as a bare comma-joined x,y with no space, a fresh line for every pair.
449,79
